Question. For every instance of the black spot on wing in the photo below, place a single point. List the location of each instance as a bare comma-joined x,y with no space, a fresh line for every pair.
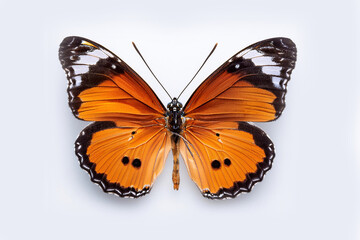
227,162
215,164
136,163
125,160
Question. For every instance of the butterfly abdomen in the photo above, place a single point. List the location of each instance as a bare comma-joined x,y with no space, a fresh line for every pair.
176,150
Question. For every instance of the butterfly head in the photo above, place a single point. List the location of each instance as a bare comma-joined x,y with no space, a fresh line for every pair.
174,105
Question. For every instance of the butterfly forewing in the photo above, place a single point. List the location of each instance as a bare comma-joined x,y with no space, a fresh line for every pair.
102,87
250,86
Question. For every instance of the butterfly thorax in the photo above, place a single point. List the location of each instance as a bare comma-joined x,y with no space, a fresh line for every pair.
174,116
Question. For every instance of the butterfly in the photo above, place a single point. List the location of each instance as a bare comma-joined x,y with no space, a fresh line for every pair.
126,146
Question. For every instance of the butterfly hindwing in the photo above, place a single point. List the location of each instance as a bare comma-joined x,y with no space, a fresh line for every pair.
102,87
124,161
225,159
250,86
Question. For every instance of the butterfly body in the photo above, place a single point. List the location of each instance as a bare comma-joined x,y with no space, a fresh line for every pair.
126,146
175,123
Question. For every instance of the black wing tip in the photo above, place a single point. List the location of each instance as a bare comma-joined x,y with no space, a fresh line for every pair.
289,48
263,141
66,43
71,41
81,145
280,42
284,44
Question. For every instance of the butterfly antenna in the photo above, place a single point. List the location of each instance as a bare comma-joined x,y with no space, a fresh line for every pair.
137,50
198,70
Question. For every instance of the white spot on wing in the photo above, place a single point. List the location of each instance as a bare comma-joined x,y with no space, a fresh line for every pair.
76,81
272,70
276,81
264,60
251,54
100,54
87,59
107,53
80,69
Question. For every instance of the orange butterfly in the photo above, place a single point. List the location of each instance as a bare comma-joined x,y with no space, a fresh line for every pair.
124,150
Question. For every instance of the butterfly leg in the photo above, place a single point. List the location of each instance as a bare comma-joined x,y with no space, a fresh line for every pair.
175,146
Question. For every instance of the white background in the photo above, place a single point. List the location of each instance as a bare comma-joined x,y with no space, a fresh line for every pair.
312,191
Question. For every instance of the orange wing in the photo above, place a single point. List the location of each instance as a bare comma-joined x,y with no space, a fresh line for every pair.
126,148
250,86
102,87
225,155
124,161
225,159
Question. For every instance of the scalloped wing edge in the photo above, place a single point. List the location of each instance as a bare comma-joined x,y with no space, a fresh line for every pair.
262,140
81,144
